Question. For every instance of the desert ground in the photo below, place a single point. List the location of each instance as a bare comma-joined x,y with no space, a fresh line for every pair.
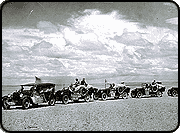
132,114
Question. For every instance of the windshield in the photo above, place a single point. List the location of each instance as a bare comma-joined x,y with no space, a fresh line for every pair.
27,87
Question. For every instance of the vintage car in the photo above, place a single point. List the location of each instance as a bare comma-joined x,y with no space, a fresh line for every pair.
74,93
148,90
173,91
30,94
112,91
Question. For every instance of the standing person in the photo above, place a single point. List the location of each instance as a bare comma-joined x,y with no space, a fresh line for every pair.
83,82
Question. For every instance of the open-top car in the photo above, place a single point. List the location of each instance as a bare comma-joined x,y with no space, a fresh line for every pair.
115,91
148,90
74,93
30,94
173,91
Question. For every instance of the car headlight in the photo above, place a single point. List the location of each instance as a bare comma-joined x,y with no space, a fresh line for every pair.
9,95
61,93
21,95
101,91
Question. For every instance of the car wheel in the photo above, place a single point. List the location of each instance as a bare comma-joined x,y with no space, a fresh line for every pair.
95,97
51,101
65,99
139,94
104,96
83,91
174,93
168,93
87,98
159,94
26,103
125,95
5,104
133,95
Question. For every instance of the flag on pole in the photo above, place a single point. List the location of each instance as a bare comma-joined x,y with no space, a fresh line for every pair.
38,80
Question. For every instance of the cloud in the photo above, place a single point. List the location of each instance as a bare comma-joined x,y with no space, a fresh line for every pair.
47,27
42,45
172,21
93,44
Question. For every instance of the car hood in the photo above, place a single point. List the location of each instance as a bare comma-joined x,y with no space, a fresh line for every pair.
160,85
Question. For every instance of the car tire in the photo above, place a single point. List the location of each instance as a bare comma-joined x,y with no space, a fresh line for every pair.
169,93
125,95
51,101
159,94
83,91
174,93
87,98
65,99
133,95
95,97
104,96
5,104
26,103
139,94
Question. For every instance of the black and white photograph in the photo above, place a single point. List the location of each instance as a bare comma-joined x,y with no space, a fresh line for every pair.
89,66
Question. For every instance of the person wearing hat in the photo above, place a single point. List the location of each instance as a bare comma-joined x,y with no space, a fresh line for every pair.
77,83
83,82
154,82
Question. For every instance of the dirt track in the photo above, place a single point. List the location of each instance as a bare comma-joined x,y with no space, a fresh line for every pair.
146,114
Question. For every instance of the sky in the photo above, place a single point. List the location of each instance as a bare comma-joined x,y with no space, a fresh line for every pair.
97,40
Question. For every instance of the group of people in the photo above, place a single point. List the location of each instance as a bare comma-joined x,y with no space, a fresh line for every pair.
77,83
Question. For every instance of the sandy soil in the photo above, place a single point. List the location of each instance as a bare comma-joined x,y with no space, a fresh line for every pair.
145,114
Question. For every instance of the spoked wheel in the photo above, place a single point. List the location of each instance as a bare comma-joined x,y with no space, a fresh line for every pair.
26,103
52,101
139,94
5,104
65,99
133,95
87,98
174,93
83,91
125,95
104,96
169,93
95,97
159,94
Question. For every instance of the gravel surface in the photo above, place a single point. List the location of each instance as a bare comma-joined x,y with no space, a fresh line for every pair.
145,114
